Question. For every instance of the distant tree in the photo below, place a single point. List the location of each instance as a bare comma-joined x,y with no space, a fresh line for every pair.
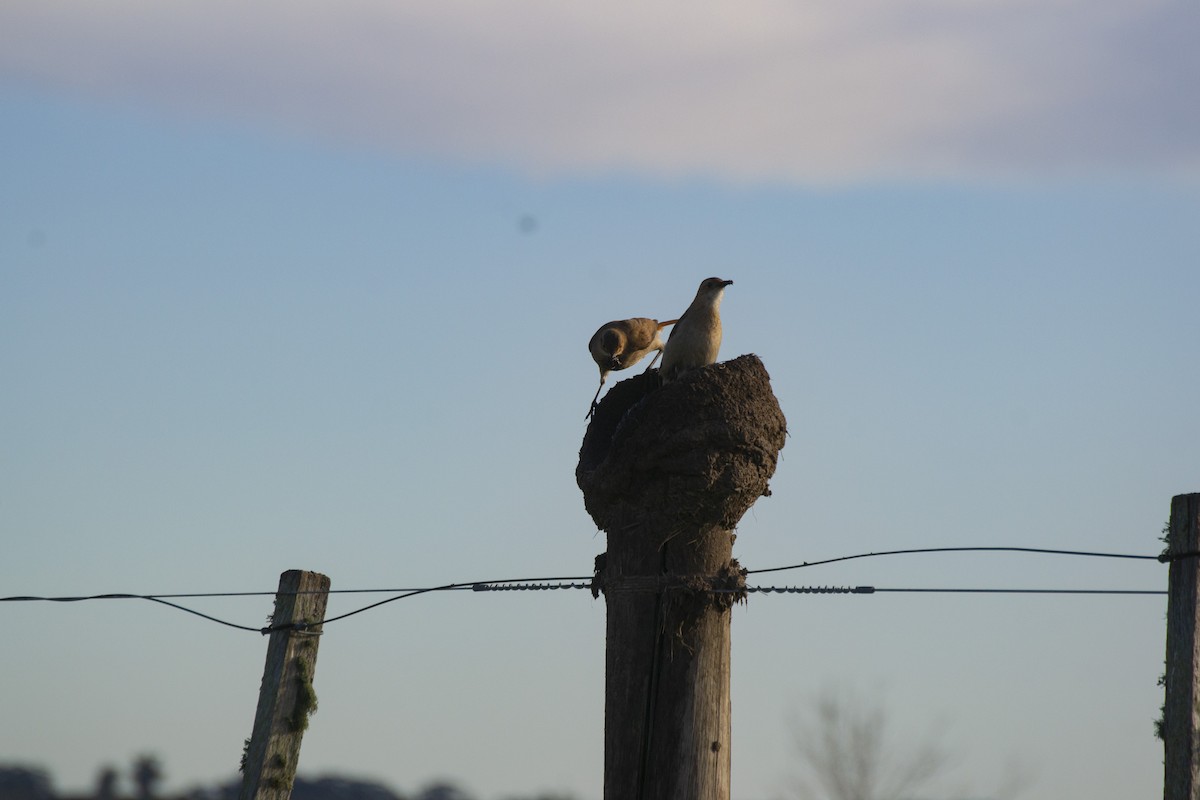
24,783
338,788
147,773
324,788
845,747
442,791
106,783
849,752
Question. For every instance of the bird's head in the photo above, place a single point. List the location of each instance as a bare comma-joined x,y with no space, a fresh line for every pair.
712,287
612,342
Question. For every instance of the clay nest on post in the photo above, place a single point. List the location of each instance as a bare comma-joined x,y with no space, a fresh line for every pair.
698,450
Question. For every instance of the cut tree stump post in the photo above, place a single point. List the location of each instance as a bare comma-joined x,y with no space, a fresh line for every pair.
1181,712
667,471
286,698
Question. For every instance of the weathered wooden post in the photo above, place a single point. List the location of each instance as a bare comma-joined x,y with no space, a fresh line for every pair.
667,472
1181,710
286,697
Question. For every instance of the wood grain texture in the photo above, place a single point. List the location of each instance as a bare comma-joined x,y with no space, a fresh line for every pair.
1181,714
286,697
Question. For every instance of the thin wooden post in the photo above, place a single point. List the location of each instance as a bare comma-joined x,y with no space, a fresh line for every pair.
667,472
286,698
1181,714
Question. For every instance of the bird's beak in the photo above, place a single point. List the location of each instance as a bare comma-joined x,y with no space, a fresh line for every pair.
726,283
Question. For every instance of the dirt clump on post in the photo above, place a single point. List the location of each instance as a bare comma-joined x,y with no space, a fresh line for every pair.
698,450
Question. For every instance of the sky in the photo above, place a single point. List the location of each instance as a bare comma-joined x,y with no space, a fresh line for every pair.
304,285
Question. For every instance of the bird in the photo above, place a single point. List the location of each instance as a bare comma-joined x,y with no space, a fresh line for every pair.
622,343
696,338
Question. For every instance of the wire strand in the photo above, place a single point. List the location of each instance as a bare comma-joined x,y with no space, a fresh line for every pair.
876,590
123,596
584,582
931,590
1036,550
445,588
159,598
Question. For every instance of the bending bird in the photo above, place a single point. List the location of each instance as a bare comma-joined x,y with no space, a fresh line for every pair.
622,343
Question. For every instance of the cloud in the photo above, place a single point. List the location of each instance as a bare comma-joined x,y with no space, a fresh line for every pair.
755,90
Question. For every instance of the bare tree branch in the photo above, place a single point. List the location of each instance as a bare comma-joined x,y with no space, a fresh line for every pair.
848,751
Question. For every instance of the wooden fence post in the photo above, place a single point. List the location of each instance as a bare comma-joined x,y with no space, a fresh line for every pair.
1181,715
286,698
667,472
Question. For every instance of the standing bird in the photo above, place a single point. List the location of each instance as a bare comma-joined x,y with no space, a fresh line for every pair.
622,343
697,338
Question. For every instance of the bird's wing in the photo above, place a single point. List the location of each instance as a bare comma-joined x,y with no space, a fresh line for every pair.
682,317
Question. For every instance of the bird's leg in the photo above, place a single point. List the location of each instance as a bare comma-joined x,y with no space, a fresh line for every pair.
592,409
653,361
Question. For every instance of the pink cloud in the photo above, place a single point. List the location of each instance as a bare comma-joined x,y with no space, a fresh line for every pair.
858,90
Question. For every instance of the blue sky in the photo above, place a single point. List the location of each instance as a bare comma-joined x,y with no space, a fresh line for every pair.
266,303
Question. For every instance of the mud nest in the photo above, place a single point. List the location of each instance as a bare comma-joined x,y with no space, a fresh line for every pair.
696,451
